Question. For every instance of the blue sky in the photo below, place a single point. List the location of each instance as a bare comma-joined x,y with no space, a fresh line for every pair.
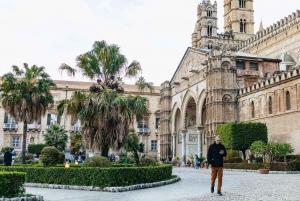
154,32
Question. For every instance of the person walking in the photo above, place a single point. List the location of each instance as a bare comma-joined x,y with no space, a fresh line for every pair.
216,152
8,157
196,161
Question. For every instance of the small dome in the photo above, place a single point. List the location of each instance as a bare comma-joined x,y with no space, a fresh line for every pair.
286,58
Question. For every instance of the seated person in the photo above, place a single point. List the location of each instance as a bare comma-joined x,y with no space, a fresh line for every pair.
188,163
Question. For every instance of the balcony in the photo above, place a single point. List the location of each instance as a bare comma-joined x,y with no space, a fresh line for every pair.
10,126
143,130
34,127
75,128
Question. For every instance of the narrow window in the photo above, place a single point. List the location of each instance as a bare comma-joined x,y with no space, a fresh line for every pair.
254,66
156,124
240,65
209,30
252,109
288,100
242,26
153,144
242,3
209,13
270,105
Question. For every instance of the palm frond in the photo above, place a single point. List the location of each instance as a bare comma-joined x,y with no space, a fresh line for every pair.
70,71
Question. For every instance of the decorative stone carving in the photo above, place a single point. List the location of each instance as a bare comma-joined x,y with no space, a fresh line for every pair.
193,138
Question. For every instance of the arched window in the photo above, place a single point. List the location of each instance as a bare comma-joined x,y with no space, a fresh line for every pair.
270,105
288,100
31,140
242,3
209,13
252,110
242,26
209,30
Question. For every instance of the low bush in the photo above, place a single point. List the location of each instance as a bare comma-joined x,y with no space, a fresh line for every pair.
144,162
11,183
278,166
233,160
97,161
3,149
115,164
231,153
99,177
50,156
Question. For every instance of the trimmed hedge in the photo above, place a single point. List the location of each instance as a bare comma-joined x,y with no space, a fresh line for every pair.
290,166
11,183
241,135
99,177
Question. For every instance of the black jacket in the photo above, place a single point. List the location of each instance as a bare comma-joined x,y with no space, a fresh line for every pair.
214,158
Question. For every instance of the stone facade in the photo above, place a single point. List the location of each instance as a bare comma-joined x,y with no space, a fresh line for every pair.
11,132
215,84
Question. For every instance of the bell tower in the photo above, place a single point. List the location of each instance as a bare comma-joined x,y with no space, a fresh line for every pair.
205,33
239,17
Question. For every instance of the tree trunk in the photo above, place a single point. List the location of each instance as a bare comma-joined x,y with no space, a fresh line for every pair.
244,153
104,150
24,142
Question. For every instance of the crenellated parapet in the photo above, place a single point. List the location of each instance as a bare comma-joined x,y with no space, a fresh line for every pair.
276,79
272,31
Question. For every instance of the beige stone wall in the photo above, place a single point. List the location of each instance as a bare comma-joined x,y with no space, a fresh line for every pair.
282,122
66,89
282,36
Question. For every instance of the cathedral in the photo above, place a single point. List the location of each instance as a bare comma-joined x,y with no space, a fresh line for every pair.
233,76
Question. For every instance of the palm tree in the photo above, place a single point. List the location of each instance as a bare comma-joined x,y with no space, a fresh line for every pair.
26,96
105,112
142,84
56,136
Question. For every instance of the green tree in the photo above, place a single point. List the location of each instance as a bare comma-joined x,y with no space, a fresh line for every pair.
26,96
35,148
142,84
105,112
134,145
56,136
240,136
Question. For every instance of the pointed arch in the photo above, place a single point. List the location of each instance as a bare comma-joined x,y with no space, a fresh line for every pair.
187,97
200,104
174,110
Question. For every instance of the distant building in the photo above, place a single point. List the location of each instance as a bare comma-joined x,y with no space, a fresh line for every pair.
11,132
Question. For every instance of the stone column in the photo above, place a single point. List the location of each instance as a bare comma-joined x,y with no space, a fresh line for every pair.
174,145
199,132
183,158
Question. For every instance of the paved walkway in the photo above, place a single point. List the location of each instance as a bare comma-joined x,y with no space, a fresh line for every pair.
195,186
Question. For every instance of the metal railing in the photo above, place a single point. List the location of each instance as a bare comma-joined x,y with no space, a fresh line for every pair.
143,130
10,126
34,126
75,128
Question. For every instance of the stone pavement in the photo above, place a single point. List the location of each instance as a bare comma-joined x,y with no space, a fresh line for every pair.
195,186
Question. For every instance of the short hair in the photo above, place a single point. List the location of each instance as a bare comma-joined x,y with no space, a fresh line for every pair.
218,136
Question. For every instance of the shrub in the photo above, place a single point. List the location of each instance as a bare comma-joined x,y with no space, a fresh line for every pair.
147,162
11,183
61,158
5,148
98,177
35,148
17,160
49,156
97,161
233,160
231,153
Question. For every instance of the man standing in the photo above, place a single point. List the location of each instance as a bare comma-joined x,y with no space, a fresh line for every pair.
7,157
216,152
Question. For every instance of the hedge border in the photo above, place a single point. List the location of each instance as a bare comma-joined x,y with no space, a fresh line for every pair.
99,177
106,189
